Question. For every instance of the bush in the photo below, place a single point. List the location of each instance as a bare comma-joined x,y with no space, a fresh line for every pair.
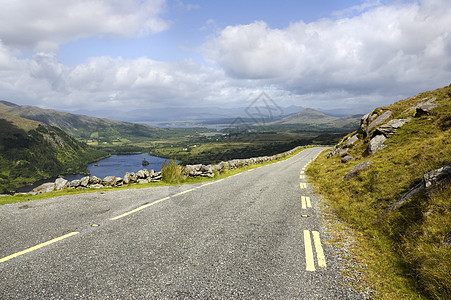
172,172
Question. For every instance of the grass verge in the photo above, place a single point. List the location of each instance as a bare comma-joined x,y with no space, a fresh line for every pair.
405,254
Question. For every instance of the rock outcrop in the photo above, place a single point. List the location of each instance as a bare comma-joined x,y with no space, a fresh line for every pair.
431,180
376,127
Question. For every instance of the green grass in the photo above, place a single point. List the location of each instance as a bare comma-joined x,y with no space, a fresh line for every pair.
403,252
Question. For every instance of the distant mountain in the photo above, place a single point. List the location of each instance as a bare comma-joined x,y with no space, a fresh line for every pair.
85,127
182,114
315,117
31,150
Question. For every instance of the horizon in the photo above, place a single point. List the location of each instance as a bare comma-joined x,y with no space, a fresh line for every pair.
116,57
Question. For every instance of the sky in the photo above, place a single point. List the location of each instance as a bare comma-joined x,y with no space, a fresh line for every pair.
127,55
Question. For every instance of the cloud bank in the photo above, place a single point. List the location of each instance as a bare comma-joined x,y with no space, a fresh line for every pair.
375,57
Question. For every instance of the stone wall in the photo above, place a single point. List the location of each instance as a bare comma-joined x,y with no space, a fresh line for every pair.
146,176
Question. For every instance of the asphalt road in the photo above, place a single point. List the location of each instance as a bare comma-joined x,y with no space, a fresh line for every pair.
255,235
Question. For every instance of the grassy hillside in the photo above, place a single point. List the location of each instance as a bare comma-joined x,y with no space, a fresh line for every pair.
95,131
407,252
30,151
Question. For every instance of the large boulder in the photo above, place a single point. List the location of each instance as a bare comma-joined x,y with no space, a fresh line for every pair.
379,120
425,106
75,183
61,184
84,181
376,143
130,178
109,181
143,174
351,141
44,188
94,180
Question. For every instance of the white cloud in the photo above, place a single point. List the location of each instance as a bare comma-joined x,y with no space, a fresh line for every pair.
384,48
44,25
383,54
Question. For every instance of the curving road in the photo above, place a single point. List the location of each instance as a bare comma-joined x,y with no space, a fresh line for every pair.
250,236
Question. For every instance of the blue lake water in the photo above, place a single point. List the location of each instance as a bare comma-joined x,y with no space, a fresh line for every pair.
115,165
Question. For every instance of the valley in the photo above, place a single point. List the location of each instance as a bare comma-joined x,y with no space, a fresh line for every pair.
91,138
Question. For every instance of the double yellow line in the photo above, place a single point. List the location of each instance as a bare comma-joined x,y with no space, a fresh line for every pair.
309,261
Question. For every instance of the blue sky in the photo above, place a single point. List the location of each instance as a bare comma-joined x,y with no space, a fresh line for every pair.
138,54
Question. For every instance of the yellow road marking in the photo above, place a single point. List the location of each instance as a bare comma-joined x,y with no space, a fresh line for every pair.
303,185
305,202
38,246
184,192
302,172
301,176
139,208
310,264
212,182
319,250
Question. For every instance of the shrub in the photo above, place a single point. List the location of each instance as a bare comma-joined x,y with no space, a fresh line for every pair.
172,172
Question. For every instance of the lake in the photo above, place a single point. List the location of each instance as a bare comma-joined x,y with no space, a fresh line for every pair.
115,165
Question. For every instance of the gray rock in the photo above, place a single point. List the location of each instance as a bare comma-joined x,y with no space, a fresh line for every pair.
390,128
61,184
44,188
130,178
332,152
109,181
376,144
142,181
119,181
437,177
75,183
379,120
96,186
358,168
424,107
94,180
343,151
447,241
207,169
431,180
351,140
346,159
142,174
84,181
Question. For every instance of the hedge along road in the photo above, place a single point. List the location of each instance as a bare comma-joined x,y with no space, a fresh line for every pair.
251,235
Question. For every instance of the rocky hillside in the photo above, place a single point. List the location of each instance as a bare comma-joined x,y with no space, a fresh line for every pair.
31,150
390,180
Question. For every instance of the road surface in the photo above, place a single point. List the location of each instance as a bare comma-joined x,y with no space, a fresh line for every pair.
254,235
